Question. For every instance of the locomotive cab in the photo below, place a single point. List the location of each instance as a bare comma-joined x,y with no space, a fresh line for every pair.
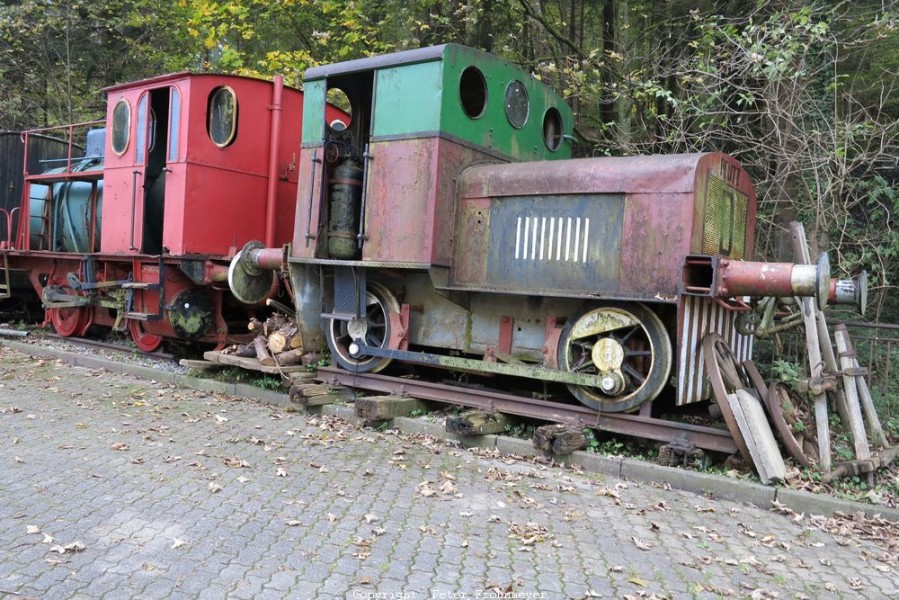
184,147
381,191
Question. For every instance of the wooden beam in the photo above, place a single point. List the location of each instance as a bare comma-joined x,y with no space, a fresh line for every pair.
856,426
383,408
476,422
864,394
813,346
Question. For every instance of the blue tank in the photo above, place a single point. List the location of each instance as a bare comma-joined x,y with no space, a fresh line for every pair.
67,212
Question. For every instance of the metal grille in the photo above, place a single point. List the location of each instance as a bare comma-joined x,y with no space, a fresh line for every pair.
724,231
703,316
349,291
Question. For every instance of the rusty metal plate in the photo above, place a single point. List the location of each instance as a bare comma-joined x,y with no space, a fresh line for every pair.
569,243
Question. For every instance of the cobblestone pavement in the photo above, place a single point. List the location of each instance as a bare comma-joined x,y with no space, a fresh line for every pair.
116,487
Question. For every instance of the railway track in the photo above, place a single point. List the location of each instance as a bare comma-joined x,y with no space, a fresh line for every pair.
90,343
639,425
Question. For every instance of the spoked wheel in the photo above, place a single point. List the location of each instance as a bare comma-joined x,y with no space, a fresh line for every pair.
144,340
787,410
373,328
726,377
70,321
626,346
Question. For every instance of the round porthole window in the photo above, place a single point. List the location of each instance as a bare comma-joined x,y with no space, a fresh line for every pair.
552,129
473,92
222,124
121,126
517,106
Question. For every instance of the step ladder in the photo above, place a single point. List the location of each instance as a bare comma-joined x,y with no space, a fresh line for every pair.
5,288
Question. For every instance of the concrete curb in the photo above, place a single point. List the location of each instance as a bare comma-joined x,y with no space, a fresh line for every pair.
635,470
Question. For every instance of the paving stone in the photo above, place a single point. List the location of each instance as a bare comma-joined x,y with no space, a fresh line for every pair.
128,507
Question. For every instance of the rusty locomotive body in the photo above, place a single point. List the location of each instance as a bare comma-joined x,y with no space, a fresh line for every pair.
134,229
446,224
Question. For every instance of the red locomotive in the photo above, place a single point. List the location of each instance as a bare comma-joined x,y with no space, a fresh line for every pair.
135,230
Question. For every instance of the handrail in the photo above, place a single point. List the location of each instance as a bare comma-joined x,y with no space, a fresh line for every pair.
134,175
69,139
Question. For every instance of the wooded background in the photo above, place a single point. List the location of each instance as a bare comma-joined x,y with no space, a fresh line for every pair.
801,92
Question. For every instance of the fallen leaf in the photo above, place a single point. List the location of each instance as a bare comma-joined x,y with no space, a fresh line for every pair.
120,446
370,518
73,547
221,419
19,459
293,523
642,545
176,543
214,487
48,539
637,581
32,529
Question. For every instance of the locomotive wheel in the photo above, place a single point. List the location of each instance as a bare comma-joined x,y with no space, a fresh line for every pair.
145,341
626,345
374,328
726,377
785,407
70,321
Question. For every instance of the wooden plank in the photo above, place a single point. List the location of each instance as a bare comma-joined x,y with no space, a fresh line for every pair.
301,377
856,426
830,364
307,390
476,422
382,408
753,424
816,365
323,399
864,394
250,364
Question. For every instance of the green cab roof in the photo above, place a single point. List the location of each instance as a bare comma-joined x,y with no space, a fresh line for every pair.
458,92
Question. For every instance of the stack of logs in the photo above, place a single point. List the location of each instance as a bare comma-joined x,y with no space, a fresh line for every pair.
277,342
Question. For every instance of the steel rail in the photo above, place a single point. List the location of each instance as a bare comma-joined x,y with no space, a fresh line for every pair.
577,415
80,341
